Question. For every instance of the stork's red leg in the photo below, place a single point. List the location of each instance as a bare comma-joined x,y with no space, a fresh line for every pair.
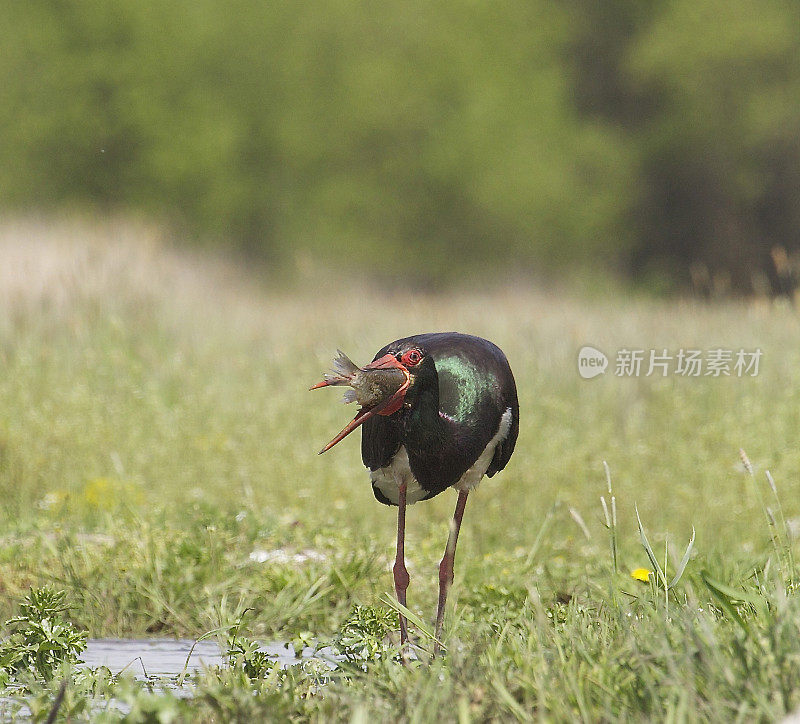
399,570
446,566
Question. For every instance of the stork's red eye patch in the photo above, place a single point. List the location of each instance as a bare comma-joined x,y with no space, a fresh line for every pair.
411,358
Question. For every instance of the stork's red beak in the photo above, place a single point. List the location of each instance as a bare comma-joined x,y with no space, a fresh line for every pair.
385,407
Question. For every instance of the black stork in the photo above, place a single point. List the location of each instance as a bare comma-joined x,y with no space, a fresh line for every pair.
451,418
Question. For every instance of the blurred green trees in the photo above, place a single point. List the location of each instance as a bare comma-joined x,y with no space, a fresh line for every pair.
708,94
403,137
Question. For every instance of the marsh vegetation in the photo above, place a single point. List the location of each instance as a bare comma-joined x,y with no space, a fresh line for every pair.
158,464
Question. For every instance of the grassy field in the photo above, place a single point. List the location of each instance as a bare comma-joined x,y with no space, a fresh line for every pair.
158,443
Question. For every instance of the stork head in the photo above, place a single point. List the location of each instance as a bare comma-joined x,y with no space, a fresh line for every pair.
421,370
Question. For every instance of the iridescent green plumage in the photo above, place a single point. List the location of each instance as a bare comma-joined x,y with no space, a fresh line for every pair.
461,385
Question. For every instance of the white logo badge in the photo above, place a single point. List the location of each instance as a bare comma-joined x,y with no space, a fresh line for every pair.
591,362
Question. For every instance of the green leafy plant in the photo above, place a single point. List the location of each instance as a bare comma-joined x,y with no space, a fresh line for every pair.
243,653
365,635
41,639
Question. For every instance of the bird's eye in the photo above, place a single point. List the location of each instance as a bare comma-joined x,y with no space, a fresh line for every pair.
412,357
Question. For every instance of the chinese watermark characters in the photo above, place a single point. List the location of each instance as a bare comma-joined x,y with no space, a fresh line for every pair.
714,362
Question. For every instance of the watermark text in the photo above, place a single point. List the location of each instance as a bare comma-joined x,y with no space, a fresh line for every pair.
631,362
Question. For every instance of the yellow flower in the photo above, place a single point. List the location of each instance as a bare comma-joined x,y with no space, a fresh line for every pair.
641,574
100,493
109,493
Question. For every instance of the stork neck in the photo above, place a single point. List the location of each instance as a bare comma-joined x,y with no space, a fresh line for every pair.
423,422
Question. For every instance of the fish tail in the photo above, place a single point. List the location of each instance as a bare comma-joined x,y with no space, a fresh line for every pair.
343,366
343,372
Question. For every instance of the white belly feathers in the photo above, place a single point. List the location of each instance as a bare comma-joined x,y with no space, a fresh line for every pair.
398,470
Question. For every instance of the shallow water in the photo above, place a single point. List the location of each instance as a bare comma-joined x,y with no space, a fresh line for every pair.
168,657
144,658
158,657
163,660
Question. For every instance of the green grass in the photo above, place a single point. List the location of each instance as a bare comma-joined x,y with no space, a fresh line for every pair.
156,430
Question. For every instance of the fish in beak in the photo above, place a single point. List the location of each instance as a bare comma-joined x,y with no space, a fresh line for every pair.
379,388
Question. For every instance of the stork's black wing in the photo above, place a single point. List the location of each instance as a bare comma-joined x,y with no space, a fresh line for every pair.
502,453
476,388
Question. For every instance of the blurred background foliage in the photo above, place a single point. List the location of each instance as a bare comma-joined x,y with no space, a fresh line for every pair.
660,139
